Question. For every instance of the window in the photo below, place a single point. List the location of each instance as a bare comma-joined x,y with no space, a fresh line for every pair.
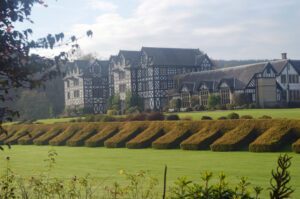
69,95
145,86
96,81
121,75
76,93
76,82
185,97
144,73
294,95
68,84
225,96
97,92
163,71
96,69
163,85
170,84
122,88
293,79
283,79
203,97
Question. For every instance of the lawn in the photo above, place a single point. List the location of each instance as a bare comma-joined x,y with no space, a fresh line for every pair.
105,164
293,113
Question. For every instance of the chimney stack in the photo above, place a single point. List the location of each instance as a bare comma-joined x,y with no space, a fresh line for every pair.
283,56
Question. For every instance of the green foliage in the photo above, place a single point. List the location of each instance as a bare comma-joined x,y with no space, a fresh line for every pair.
280,188
233,116
175,104
109,103
98,139
194,101
86,132
133,100
265,117
222,118
116,103
247,117
172,117
61,138
213,100
206,118
296,146
240,99
112,112
155,116
33,105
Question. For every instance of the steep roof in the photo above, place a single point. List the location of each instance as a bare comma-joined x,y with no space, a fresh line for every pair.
172,56
278,65
296,64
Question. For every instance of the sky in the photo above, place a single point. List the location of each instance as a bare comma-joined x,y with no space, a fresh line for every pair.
224,29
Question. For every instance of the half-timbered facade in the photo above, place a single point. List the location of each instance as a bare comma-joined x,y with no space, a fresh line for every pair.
266,84
86,85
149,72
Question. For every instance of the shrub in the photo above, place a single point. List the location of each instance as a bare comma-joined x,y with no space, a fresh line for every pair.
155,116
189,109
86,132
172,117
274,138
24,130
66,134
112,112
199,108
79,119
132,110
11,130
187,118
107,118
222,118
38,130
129,131
137,117
107,132
213,100
165,109
221,107
144,139
246,117
229,106
233,116
265,117
235,139
51,133
296,146
89,118
73,120
206,117
181,131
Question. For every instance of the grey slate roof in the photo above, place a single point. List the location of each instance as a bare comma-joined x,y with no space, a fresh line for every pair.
132,56
173,56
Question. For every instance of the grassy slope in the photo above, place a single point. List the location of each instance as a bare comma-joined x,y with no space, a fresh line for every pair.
256,113
105,163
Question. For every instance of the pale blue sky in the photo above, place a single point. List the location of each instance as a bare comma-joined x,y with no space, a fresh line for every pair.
224,29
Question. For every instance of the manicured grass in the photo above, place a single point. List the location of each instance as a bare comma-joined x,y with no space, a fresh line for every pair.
105,164
293,113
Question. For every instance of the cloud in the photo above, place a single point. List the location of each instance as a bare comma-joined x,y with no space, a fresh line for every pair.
102,5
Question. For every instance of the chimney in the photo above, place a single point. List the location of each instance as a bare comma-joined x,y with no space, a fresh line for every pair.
283,56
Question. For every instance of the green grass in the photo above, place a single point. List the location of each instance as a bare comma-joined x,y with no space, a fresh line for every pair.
105,164
293,113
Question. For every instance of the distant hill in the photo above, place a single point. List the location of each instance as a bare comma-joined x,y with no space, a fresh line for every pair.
228,63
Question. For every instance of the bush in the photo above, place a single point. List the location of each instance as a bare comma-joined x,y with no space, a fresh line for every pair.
112,112
221,107
213,100
265,117
24,130
79,119
233,116
189,109
172,117
37,130
246,117
222,118
187,118
154,116
274,138
89,118
107,132
129,131
132,110
51,133
137,117
229,106
199,108
84,133
206,118
73,120
235,139
165,109
61,139
107,118
296,146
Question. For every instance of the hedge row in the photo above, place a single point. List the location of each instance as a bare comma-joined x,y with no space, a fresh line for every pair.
86,132
210,132
108,131
235,139
145,139
11,130
274,138
128,132
62,138
181,131
23,130
296,146
37,130
51,133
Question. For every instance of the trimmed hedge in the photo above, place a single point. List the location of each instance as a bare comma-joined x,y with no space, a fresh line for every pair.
235,139
54,131
61,139
129,131
11,130
145,139
181,131
108,131
24,130
274,138
38,130
86,132
296,146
